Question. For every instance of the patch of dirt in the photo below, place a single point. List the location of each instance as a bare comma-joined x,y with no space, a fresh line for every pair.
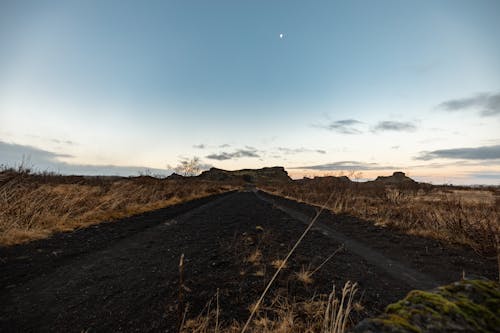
123,276
443,262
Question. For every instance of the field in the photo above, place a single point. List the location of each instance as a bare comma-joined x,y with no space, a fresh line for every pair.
165,262
458,215
34,206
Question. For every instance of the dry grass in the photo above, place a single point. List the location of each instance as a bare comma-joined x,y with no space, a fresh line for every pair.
278,263
322,314
36,206
304,276
255,257
261,272
456,215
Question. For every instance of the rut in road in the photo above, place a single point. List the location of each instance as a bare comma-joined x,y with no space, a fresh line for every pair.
129,283
398,270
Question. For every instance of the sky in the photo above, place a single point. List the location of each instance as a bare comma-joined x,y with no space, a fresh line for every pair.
319,87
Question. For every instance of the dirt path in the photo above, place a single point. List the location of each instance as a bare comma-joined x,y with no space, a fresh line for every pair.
122,276
397,270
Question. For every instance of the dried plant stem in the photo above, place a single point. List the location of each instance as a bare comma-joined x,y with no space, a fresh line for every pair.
217,314
180,305
283,263
497,239
341,247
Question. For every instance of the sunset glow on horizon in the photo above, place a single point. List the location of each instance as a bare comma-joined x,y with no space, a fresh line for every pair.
116,87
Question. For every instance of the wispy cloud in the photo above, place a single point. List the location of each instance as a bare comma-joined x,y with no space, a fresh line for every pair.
290,151
395,126
351,126
200,146
477,153
488,104
12,154
58,141
490,175
346,165
65,142
247,152
344,126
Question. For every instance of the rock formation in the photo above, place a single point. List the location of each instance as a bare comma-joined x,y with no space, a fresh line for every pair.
464,306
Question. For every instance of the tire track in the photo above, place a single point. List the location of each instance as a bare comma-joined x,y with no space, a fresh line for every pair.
394,268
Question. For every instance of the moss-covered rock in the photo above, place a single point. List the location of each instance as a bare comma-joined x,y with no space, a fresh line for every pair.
464,306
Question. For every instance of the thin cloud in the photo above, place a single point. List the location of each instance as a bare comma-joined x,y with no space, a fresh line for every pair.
290,151
396,126
220,156
346,165
12,154
486,175
52,140
344,126
200,146
65,142
477,153
247,152
488,104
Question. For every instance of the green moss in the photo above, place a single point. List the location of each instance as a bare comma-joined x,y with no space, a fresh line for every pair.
471,304
421,303
396,321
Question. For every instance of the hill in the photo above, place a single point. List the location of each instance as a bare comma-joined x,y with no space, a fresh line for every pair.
267,175
397,178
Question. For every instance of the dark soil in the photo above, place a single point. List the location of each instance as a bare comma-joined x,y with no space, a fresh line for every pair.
441,261
123,276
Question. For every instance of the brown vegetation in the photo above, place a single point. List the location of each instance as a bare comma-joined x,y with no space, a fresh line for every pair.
323,313
33,206
452,214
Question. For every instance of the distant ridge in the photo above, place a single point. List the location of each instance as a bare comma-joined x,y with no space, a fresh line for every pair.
341,179
278,174
271,174
397,178
175,176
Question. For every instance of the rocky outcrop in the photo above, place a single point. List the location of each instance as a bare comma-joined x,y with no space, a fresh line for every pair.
464,306
397,178
215,174
326,180
175,176
273,174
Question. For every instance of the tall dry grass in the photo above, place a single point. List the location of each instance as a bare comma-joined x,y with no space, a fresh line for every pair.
464,216
36,206
321,314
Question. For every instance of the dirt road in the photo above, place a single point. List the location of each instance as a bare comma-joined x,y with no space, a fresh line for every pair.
123,276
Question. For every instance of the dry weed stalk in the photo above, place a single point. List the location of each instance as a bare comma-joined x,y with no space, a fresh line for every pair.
254,257
322,314
340,248
180,305
304,276
497,239
277,263
337,312
259,301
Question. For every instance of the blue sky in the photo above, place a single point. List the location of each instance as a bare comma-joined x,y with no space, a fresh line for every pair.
375,86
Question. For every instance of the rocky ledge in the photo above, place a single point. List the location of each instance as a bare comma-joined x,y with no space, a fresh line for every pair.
464,306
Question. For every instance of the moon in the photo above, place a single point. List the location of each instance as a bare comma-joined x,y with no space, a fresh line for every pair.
281,36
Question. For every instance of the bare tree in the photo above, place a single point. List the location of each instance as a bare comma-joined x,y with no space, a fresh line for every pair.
188,167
